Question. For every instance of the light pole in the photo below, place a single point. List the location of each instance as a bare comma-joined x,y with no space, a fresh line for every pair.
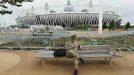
100,16
46,7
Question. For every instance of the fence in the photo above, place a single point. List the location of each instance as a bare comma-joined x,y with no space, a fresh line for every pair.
59,39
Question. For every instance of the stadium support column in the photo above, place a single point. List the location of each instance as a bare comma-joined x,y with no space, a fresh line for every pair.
100,17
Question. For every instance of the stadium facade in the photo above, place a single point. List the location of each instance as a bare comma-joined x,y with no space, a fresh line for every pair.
69,17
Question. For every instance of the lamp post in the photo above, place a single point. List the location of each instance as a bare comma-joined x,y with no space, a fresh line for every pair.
46,7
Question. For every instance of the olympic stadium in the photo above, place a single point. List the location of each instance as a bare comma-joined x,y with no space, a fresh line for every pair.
69,17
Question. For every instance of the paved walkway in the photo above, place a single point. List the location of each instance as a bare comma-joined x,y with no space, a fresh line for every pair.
8,60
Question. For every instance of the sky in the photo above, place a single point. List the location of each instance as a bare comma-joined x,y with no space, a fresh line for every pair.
125,6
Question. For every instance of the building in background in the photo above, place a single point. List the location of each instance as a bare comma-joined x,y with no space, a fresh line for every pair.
69,17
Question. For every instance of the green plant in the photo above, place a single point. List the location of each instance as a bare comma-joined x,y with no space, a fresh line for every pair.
83,42
82,27
112,25
24,26
127,25
118,23
104,25
3,4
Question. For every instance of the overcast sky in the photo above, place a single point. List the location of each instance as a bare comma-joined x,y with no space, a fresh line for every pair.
125,6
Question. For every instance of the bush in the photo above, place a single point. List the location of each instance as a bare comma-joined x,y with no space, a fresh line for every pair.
82,27
127,25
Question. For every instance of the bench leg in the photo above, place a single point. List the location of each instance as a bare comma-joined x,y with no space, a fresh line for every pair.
110,60
43,61
105,58
56,59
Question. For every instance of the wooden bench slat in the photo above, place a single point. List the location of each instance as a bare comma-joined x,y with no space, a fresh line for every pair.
50,55
95,55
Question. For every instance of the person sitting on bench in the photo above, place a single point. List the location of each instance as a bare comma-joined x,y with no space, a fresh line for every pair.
71,52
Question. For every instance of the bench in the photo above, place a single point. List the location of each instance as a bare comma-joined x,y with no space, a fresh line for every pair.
87,51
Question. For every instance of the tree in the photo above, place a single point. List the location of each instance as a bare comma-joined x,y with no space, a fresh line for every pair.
84,10
82,27
24,26
104,25
17,3
132,26
127,25
14,26
118,23
112,25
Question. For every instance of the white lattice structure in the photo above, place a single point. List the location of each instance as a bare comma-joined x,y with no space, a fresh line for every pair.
69,17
